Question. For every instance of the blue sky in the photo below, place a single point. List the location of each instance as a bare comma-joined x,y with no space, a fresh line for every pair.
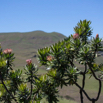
50,15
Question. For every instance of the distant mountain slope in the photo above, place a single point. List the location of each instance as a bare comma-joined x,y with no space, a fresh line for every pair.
35,39
25,45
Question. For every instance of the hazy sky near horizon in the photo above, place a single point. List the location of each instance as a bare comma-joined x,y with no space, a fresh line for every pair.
50,15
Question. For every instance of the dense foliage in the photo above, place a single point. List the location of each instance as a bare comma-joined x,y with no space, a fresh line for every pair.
59,60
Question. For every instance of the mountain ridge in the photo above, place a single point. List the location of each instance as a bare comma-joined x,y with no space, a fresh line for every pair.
30,32
34,39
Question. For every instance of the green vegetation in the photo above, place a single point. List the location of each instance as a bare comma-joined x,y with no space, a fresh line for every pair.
59,59
26,45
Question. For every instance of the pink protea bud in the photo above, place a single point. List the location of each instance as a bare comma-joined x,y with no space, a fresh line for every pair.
7,51
97,36
75,36
49,58
28,61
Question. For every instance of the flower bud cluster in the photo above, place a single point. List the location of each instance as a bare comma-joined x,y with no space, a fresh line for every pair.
28,61
49,58
7,51
97,36
76,36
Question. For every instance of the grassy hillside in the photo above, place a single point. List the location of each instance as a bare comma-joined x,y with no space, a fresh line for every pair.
25,45
36,39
